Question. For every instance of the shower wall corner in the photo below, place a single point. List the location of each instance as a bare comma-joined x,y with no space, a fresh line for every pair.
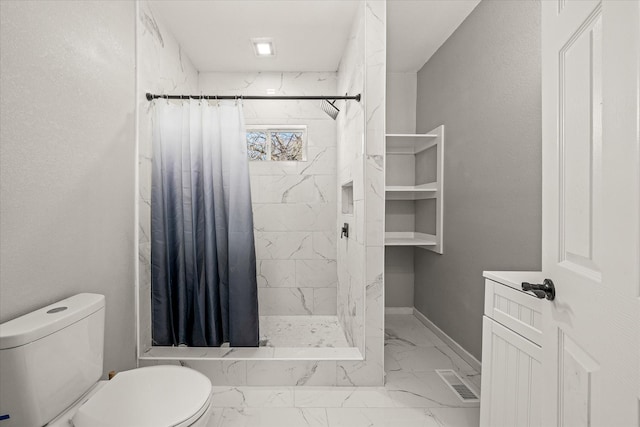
161,67
361,148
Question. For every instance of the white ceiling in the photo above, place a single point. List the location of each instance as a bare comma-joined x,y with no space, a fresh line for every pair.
309,35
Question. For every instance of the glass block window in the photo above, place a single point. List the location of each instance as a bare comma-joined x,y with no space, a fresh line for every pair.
276,143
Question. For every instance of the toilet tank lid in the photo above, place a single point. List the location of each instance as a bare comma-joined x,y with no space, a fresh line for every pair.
47,320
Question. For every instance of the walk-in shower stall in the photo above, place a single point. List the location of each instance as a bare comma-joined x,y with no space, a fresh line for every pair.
316,174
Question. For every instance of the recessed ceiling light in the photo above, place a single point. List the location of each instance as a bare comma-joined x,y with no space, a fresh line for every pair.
263,47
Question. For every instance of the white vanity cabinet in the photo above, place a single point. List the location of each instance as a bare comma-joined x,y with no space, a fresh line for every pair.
511,352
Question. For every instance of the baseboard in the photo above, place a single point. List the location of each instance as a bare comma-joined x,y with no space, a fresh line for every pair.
398,310
457,348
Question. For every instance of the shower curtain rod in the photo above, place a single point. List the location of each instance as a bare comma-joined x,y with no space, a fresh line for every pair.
274,97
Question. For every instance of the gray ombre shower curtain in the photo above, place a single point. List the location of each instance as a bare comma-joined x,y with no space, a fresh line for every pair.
203,264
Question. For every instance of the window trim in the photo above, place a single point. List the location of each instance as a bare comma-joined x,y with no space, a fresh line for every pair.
280,128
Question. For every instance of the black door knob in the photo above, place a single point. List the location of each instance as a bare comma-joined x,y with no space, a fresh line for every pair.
545,290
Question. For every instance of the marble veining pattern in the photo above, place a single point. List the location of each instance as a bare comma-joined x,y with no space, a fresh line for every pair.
294,203
413,396
301,331
351,138
361,160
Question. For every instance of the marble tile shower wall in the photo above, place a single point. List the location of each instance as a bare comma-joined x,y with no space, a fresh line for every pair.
372,370
162,68
351,140
294,203
361,161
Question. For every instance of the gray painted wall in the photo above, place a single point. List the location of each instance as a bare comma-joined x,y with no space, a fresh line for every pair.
398,261
401,102
483,84
67,161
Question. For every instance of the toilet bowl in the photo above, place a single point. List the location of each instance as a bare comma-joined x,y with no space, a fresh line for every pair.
51,364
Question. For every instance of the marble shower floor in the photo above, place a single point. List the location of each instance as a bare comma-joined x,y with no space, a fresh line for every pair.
301,331
414,394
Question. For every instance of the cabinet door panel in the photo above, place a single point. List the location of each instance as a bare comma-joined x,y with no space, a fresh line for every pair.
510,378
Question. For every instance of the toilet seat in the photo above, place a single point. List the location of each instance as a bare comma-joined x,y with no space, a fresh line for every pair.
155,396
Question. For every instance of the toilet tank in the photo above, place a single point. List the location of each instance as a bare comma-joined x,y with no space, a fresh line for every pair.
49,358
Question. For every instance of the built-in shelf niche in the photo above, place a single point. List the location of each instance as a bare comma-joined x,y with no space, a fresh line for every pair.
413,189
347,198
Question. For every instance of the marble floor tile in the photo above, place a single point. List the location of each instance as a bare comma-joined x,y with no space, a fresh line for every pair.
301,331
273,417
380,417
414,394
422,390
343,397
407,330
456,417
216,416
421,359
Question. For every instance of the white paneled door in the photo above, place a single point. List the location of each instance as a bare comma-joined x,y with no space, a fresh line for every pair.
591,212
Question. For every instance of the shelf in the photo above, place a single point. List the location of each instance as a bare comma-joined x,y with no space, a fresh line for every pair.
407,143
411,192
409,238
412,135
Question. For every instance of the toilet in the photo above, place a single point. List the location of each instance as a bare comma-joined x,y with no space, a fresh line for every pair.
50,369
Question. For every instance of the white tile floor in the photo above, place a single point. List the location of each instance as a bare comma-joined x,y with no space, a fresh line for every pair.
414,394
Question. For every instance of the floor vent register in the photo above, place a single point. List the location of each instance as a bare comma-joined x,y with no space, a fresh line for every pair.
458,386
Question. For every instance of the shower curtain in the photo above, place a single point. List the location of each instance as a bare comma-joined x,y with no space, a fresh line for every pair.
203,264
